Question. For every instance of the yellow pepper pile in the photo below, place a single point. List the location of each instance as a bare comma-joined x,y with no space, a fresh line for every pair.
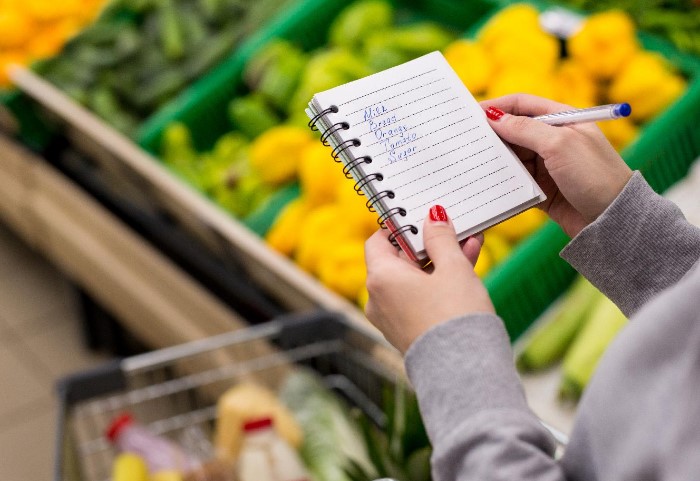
605,64
35,29
324,230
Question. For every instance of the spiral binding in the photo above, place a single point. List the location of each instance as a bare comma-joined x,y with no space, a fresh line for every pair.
362,181
350,166
401,230
391,213
312,123
335,153
376,197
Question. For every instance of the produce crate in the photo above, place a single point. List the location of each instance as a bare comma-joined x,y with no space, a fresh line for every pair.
534,275
174,390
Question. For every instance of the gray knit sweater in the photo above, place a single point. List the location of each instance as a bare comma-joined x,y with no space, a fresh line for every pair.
639,418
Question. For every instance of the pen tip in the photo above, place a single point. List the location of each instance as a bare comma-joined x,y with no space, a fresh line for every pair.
623,110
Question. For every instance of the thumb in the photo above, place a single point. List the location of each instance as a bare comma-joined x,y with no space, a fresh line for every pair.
440,238
520,130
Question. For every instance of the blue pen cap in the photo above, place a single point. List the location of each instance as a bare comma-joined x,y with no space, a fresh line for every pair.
622,110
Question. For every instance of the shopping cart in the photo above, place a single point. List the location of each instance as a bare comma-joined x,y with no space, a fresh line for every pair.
174,390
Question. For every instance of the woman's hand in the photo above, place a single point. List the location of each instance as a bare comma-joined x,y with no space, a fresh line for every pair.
405,300
576,167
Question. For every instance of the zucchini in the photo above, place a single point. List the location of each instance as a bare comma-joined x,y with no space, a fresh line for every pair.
549,342
580,362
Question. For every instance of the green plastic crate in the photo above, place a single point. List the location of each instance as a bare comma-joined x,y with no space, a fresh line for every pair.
534,275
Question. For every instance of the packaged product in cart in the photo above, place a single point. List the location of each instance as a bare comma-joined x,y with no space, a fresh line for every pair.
265,456
160,454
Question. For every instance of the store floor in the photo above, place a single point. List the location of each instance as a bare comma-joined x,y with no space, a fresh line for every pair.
40,341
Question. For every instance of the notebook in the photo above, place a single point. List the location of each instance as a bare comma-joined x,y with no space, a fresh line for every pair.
412,137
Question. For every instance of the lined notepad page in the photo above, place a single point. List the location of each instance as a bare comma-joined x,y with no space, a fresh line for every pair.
430,140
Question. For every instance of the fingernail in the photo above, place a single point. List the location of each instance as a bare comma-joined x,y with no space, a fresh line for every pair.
438,214
494,114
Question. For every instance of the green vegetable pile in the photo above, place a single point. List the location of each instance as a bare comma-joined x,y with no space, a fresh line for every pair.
342,444
141,53
365,38
676,20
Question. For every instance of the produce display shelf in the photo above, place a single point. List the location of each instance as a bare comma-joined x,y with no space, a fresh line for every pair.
522,287
534,275
291,287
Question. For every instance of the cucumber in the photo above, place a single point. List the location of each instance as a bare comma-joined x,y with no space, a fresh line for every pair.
580,362
550,341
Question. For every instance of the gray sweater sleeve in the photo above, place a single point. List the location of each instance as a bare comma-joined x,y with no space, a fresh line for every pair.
639,246
474,407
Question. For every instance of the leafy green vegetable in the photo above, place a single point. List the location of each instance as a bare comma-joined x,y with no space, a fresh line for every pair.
140,54
333,445
401,449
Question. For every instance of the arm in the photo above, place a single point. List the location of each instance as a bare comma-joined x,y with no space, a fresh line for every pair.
473,405
461,364
640,245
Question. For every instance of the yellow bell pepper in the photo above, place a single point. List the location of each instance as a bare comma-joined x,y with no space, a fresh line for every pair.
497,245
518,80
606,41
472,64
517,52
361,222
620,133
35,29
321,232
342,269
275,155
574,85
484,263
284,234
520,226
648,84
509,22
319,176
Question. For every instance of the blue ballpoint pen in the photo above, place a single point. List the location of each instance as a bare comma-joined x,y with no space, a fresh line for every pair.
593,114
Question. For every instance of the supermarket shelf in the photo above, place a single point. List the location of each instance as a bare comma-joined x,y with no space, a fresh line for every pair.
153,298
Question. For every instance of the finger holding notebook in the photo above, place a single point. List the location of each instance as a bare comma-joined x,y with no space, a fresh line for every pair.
406,301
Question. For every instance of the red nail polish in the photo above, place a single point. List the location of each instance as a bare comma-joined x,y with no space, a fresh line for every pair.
494,114
438,214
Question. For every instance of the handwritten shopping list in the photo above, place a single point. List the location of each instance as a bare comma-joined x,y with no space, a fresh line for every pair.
429,139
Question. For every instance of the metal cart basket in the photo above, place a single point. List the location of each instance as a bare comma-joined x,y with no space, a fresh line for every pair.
174,390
